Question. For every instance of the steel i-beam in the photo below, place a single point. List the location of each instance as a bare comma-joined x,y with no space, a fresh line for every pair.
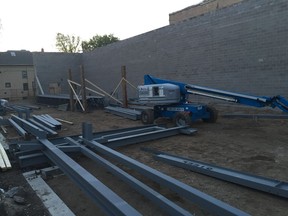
268,185
110,202
203,200
31,128
158,133
165,204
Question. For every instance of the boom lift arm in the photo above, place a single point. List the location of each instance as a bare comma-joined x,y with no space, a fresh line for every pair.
255,101
170,99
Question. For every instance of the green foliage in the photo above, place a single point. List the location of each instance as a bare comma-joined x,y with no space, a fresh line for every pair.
66,43
98,41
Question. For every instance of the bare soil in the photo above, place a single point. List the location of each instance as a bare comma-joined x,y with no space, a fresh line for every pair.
257,146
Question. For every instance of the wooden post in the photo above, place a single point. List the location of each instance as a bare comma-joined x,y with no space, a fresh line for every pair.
84,101
72,108
124,87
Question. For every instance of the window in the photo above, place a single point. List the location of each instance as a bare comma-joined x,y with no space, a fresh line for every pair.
24,75
25,87
156,91
8,85
13,53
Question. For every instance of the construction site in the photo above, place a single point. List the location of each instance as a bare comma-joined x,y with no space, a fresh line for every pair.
188,119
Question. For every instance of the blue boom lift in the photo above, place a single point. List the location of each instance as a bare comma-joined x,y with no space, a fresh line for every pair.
170,100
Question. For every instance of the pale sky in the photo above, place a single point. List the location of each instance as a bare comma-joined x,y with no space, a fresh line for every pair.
33,24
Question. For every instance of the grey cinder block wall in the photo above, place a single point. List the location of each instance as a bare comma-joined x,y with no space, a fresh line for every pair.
52,68
241,48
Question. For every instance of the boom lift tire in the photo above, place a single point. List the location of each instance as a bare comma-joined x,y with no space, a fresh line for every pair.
147,116
182,119
213,115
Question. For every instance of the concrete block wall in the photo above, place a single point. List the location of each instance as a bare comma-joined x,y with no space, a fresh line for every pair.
197,10
241,48
52,68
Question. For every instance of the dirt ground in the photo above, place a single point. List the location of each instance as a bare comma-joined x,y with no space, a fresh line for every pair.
258,146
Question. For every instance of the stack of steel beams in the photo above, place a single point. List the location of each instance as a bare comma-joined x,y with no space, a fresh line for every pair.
39,125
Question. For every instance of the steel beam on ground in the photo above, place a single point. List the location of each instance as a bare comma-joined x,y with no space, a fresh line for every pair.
48,130
44,122
268,185
161,201
29,147
31,155
18,128
201,199
98,135
124,112
110,202
31,128
130,132
32,160
52,121
143,137
70,149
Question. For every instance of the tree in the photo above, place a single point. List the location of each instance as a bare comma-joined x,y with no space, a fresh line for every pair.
66,43
98,41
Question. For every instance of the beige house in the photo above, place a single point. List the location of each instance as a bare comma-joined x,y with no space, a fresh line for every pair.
17,77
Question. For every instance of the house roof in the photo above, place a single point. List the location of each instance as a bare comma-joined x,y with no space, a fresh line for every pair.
16,57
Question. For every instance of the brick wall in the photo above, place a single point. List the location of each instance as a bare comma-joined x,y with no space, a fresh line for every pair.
52,70
200,9
242,48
